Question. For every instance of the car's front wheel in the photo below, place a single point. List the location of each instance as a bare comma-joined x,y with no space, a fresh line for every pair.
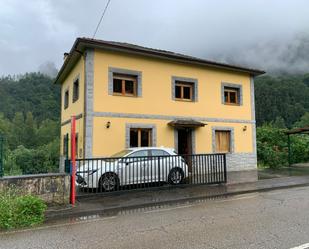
176,176
109,182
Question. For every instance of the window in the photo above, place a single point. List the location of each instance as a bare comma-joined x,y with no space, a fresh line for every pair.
223,141
183,91
124,85
231,95
75,90
140,137
65,145
66,99
159,153
143,153
76,144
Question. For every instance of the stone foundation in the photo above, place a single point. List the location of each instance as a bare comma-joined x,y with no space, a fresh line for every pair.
241,167
52,188
241,161
242,176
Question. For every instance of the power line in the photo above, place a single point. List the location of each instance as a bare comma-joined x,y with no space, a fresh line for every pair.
96,30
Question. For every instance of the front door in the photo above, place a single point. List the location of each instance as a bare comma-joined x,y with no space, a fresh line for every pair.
185,145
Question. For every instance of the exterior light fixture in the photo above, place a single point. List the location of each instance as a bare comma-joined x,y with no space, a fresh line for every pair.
244,128
108,124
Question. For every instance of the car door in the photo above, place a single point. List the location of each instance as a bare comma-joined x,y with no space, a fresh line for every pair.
156,169
133,167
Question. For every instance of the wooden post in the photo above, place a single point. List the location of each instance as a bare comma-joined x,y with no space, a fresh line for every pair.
73,160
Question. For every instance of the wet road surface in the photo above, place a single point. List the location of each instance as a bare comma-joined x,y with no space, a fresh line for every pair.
276,219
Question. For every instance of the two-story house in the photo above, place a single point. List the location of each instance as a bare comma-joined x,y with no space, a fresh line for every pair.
125,95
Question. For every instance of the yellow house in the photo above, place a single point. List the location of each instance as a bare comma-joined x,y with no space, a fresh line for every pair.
125,95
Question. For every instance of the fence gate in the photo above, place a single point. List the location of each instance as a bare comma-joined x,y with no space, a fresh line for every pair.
1,155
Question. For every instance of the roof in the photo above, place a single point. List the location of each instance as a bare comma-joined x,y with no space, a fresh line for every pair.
298,131
81,44
186,123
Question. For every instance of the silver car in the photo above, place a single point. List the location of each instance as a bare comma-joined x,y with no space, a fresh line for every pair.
132,166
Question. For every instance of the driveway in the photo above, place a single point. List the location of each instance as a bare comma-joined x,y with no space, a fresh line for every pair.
276,219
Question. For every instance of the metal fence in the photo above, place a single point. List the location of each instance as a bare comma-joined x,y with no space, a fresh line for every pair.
127,173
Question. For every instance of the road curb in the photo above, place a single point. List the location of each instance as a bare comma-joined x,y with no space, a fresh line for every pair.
107,211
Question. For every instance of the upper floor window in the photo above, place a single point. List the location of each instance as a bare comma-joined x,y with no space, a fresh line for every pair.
231,94
124,82
75,90
66,99
184,89
125,85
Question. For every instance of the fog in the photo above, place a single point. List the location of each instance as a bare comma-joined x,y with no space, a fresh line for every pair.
270,35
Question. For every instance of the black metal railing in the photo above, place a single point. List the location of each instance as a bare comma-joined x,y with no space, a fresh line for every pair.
97,175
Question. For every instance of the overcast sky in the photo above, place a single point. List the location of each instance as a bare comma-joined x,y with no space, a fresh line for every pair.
268,34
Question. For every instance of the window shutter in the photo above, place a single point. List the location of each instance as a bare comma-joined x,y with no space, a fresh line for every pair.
223,141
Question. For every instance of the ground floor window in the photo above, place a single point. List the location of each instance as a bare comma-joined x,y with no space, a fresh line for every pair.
223,141
65,145
140,137
76,144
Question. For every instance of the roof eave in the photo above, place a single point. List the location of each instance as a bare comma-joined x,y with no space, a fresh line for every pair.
81,44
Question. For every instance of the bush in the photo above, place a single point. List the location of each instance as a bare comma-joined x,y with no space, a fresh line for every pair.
20,210
272,147
44,159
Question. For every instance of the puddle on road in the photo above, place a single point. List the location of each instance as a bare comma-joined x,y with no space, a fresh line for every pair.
108,214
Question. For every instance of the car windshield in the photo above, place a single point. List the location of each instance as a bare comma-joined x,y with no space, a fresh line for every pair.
122,153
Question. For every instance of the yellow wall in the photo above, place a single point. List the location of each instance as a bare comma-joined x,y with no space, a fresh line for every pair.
156,88
75,108
78,106
66,129
157,99
107,141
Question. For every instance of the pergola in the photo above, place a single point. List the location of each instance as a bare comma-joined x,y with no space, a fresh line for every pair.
304,130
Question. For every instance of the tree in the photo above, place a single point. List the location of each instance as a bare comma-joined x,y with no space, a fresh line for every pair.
303,122
31,92
279,123
281,96
48,130
16,133
29,132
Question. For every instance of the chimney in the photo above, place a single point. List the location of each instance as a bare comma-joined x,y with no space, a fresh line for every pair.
65,55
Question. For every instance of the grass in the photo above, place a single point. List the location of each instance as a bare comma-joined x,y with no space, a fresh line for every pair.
18,210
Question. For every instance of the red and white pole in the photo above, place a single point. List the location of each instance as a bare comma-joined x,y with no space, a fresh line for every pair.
73,159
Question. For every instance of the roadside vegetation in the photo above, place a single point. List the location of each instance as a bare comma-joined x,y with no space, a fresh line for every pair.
18,210
282,103
29,122
272,147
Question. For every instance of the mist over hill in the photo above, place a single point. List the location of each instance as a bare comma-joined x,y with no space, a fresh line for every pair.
276,56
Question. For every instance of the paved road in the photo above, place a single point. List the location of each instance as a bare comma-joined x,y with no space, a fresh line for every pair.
277,219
